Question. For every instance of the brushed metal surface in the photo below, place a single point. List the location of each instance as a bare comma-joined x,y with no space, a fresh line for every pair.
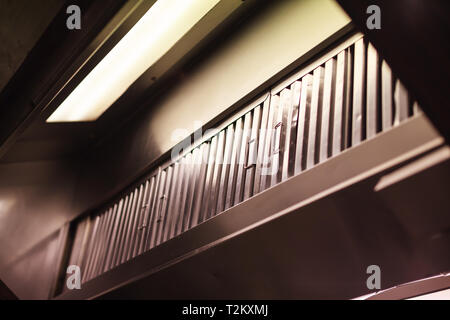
136,223
241,160
315,117
401,102
326,133
172,204
291,132
107,239
225,174
387,150
340,104
232,178
303,124
270,140
214,186
359,80
165,198
108,164
117,214
372,91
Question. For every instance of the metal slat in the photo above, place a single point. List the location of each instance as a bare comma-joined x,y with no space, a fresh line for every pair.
105,240
103,243
123,230
75,255
269,136
76,244
171,202
129,248
97,243
149,189
87,226
87,247
122,214
188,169
91,246
401,102
136,224
339,104
117,219
348,105
274,130
109,239
151,205
123,235
126,227
301,150
416,108
183,194
252,153
151,212
314,118
261,145
214,187
358,92
90,252
177,215
280,128
200,186
179,198
209,177
164,205
192,181
291,132
222,192
326,128
130,228
372,91
85,244
155,220
231,186
240,170
123,227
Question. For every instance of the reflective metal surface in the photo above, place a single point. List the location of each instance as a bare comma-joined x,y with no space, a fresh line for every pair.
220,258
259,148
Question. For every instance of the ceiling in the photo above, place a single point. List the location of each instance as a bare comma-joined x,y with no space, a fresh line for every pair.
62,58
22,22
37,57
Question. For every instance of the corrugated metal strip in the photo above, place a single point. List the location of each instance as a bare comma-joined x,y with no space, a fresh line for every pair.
348,98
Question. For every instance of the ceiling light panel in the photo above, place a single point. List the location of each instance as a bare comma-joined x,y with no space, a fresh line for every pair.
165,23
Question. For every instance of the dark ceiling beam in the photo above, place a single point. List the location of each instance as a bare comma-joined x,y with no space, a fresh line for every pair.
414,40
26,93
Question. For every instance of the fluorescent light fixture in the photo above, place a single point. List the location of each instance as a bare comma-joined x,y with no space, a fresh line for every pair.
166,22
